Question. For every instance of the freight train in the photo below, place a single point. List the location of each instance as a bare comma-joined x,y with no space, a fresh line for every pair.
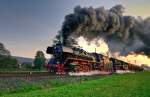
72,59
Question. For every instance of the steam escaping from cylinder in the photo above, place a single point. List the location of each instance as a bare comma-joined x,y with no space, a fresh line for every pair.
123,34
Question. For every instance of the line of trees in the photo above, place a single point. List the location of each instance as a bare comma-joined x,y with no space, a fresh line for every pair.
39,62
9,62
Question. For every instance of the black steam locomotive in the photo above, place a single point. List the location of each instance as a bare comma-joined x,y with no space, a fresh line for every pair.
72,59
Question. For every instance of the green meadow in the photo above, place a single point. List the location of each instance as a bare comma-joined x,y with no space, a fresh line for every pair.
116,85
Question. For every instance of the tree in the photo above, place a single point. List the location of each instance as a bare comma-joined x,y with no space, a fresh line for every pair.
6,60
39,60
70,42
3,50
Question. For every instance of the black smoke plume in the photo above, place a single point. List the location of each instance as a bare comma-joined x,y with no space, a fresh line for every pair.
124,34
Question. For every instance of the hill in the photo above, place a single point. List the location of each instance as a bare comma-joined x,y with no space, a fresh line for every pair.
123,85
24,59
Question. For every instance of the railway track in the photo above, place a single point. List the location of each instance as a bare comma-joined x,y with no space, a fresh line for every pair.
24,74
42,74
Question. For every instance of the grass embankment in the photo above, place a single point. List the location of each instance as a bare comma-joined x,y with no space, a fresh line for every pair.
13,85
125,85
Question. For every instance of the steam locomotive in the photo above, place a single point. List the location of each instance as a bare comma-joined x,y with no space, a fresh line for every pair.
72,59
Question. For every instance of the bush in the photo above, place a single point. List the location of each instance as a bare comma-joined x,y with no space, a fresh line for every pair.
8,62
27,66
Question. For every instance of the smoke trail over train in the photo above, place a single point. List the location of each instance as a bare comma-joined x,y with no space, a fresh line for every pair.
123,34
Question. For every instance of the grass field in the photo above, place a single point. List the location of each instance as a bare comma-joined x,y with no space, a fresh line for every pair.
123,85
12,85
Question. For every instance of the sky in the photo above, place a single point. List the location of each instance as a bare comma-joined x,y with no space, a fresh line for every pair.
30,25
